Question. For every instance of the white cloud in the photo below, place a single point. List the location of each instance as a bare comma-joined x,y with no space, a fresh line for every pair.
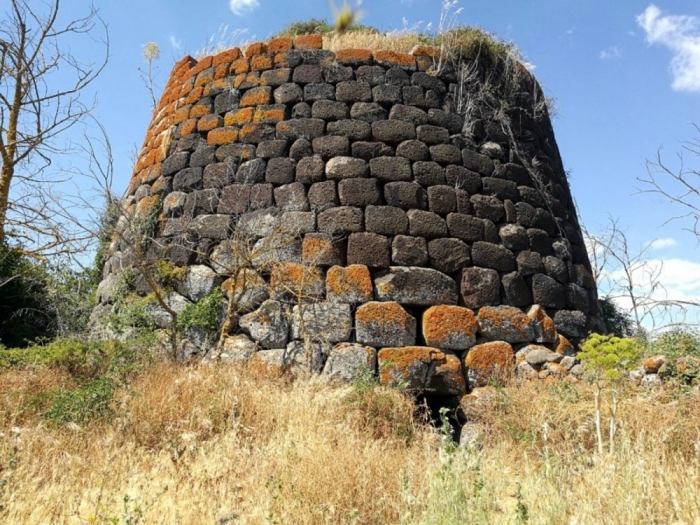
241,7
610,53
681,34
175,43
665,242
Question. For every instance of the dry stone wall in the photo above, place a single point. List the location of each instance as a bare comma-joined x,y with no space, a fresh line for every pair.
354,218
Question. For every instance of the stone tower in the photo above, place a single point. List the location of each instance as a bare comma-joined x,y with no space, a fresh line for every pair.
359,209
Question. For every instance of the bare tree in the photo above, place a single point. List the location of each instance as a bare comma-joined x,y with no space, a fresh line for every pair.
42,88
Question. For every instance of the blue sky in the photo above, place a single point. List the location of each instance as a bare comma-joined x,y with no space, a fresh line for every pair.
625,74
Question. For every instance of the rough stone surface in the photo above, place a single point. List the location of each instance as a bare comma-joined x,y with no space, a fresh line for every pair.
327,322
489,362
449,327
351,284
415,286
268,325
422,368
350,361
480,287
382,324
505,323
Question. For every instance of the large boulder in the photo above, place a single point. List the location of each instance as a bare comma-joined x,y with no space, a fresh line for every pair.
505,323
268,325
415,286
348,361
380,324
488,363
422,368
450,327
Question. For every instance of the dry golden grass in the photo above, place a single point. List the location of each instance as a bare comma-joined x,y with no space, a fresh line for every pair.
213,444
401,42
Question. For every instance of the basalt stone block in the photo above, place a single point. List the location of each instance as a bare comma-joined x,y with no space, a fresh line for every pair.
477,162
301,110
330,110
369,249
269,149
368,112
548,292
526,215
353,91
310,170
386,220
366,150
432,135
387,94
491,232
276,77
414,96
374,75
261,196
202,202
556,269
409,114
298,283
212,226
350,361
342,220
489,363
545,331
331,146
461,178
307,74
174,204
505,323
511,213
396,76
339,168
306,128
203,156
409,251
297,222
251,172
480,287
532,196
188,179
426,224
268,325
354,130
448,255
451,121
291,197
512,172
391,169
174,163
442,199
515,290
561,249
428,173
413,150
405,195
427,81
280,170
235,199
393,131
334,73
539,241
351,284
423,369
323,195
502,189
571,323
259,223
327,322
577,298
246,289
465,227
488,255
544,220
321,249
415,286
227,101
514,237
359,192
319,91
450,327
235,153
487,207
382,324
446,154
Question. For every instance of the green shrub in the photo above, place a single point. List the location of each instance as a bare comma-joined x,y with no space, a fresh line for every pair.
90,401
616,321
676,343
205,314
318,26
607,356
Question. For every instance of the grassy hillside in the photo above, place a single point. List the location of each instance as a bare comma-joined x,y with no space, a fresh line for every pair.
213,443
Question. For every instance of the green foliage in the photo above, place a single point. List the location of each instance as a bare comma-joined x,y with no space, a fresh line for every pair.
617,322
131,312
475,43
676,343
205,314
92,400
167,274
318,26
607,356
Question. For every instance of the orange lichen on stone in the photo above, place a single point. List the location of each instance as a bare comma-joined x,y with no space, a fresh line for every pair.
181,114
204,77
315,249
279,75
651,365
147,204
226,57
194,95
199,110
221,136
249,132
210,122
282,60
495,316
218,85
239,117
296,282
221,71
450,327
564,346
251,79
384,313
203,64
392,58
240,66
183,66
425,51
304,42
422,368
261,62
256,48
256,97
353,56
268,115
546,331
488,362
352,284
279,45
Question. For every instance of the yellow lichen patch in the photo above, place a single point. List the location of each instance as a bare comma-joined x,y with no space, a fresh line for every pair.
296,282
422,368
261,62
350,284
220,136
256,48
564,346
383,313
265,115
194,95
252,79
256,97
317,249
209,122
279,45
392,58
188,127
240,66
452,327
239,117
199,110
204,78
221,71
181,114
203,64
489,362
308,42
279,76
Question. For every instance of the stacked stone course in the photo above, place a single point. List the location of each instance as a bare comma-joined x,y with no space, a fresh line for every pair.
401,224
